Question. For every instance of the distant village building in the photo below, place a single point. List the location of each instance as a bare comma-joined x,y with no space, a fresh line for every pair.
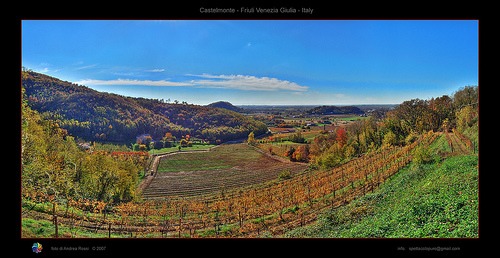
287,131
84,146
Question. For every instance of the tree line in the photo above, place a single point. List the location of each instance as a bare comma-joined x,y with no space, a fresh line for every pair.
398,127
105,117
56,169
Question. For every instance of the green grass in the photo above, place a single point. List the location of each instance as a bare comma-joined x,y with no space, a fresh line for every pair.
351,118
223,157
35,228
195,147
46,207
440,145
32,228
310,137
437,200
285,143
473,135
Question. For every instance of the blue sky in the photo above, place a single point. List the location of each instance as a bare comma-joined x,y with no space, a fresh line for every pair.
245,62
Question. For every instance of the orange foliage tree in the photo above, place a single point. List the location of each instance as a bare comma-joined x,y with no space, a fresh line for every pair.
341,137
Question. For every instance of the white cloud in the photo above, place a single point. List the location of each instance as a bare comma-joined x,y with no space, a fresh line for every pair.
237,82
161,83
246,82
124,74
156,70
86,67
45,68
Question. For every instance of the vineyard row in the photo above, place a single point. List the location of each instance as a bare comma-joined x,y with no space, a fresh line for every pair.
274,208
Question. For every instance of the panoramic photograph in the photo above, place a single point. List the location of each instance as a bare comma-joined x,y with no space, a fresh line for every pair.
323,129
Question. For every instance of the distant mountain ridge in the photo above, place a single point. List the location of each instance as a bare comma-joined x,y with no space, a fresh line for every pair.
225,105
335,110
101,116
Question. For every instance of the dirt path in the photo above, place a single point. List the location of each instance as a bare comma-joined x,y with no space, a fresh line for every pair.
457,145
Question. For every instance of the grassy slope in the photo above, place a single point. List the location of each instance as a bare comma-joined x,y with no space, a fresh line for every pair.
195,147
43,228
432,200
223,157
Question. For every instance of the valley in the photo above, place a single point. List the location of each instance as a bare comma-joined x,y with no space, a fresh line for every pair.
190,171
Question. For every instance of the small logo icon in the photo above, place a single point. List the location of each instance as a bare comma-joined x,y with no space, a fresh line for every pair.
36,248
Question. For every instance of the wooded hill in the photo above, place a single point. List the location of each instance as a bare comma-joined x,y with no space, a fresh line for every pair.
335,110
225,105
93,115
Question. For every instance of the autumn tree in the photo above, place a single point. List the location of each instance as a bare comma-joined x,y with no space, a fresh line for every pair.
331,157
356,131
168,136
289,153
465,117
53,165
251,139
297,138
183,143
93,115
301,153
466,96
320,144
411,115
48,159
443,109
341,137
390,139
